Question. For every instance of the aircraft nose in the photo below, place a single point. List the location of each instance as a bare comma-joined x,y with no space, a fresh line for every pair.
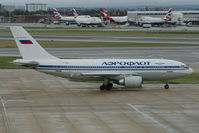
190,70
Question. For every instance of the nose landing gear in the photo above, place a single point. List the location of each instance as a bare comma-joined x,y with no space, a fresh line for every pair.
166,85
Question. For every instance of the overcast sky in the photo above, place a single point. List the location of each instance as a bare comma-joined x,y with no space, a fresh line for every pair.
98,3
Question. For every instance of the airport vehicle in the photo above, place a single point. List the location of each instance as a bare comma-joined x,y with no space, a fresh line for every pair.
114,19
146,25
156,21
86,20
128,72
67,19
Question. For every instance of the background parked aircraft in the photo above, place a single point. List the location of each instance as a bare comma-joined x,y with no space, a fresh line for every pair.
67,19
156,21
114,19
86,20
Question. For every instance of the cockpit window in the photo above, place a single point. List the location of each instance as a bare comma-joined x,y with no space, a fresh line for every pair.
185,66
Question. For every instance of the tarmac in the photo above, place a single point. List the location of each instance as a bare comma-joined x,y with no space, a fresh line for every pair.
188,55
167,40
33,102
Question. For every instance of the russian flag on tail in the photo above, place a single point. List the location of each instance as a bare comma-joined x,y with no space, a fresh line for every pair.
25,41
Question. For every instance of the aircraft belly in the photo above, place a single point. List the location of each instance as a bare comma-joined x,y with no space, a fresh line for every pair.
163,75
72,75
146,75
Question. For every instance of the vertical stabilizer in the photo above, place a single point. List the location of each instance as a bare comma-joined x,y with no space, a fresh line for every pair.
103,13
105,16
56,13
168,15
29,47
75,13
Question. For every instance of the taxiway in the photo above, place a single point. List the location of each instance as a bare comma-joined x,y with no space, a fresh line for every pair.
167,40
38,103
189,54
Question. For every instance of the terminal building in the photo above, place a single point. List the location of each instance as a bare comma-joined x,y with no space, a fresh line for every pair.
9,8
33,7
188,16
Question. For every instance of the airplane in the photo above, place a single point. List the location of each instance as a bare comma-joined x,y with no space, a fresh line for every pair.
86,20
156,21
127,72
114,19
67,19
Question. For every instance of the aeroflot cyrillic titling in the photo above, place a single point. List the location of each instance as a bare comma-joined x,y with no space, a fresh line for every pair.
122,63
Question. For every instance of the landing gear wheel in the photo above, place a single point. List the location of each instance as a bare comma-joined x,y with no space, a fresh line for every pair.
106,87
102,87
110,85
166,86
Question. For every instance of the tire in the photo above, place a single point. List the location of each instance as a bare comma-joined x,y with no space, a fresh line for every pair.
102,87
166,86
110,85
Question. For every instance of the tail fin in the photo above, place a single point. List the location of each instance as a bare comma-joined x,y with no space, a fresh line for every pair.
168,15
75,13
105,16
56,13
29,47
103,13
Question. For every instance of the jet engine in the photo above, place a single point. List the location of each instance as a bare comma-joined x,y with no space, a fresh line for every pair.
131,82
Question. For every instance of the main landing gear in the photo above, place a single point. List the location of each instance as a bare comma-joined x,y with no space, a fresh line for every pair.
106,85
166,85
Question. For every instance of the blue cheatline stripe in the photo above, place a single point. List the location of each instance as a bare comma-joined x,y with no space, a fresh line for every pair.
111,68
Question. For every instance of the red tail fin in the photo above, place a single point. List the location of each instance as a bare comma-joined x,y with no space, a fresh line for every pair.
168,16
56,13
103,13
75,13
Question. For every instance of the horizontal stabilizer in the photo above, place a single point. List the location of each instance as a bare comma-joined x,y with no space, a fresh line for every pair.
32,64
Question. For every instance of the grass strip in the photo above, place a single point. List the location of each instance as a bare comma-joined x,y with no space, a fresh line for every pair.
6,63
76,44
84,32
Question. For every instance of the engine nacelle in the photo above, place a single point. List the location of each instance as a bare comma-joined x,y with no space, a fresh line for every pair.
131,82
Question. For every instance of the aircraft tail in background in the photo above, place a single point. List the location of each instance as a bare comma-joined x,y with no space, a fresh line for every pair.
75,13
168,15
56,13
103,13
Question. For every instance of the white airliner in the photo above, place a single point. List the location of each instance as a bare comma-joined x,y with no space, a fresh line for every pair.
115,19
155,21
128,72
67,19
86,20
